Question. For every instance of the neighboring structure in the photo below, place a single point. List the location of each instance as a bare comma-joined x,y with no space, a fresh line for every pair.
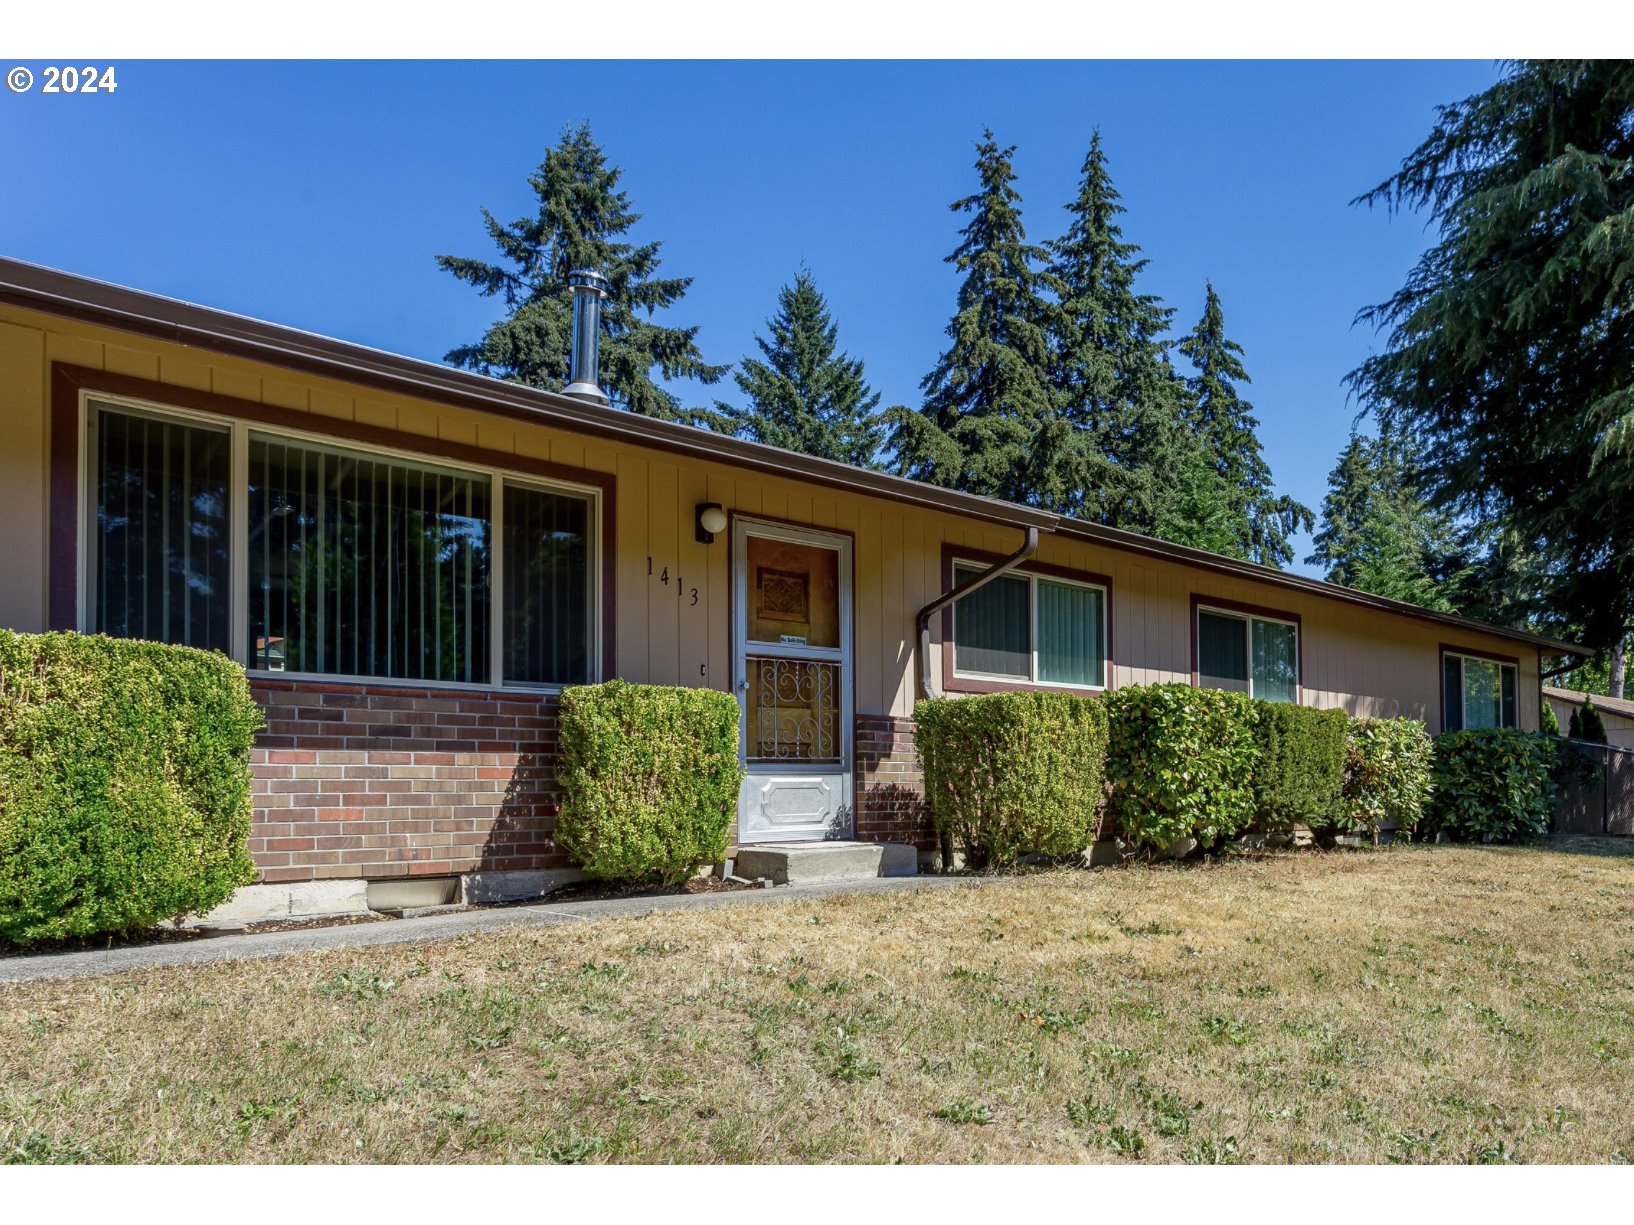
1616,713
410,560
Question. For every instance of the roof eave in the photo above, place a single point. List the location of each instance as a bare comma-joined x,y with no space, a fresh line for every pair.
35,287
1201,559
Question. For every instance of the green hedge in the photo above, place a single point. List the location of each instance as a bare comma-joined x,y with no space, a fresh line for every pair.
1180,762
1011,773
1299,771
1493,785
1387,774
649,778
124,784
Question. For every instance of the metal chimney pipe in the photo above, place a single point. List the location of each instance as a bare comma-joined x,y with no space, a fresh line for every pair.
589,288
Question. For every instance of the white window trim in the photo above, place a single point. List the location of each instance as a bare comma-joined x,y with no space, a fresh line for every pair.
1248,620
1464,658
238,525
1033,579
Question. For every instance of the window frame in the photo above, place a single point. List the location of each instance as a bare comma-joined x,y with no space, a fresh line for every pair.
1247,614
1464,654
239,429
957,680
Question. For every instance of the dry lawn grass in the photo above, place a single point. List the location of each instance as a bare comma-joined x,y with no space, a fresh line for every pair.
1424,1004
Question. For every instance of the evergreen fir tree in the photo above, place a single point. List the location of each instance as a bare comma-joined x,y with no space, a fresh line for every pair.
1123,452
806,395
1509,348
1260,520
988,397
581,222
1380,534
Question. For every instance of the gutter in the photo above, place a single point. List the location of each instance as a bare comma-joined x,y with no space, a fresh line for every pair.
1029,546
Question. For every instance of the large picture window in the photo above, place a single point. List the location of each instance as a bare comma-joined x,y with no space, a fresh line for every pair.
1248,654
362,566
1030,628
1477,692
298,556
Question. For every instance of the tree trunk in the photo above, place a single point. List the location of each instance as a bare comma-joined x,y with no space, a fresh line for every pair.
1619,661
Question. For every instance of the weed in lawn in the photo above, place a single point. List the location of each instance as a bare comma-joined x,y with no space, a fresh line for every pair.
1230,1029
963,1111
1210,1151
566,1147
361,984
1087,1112
845,1058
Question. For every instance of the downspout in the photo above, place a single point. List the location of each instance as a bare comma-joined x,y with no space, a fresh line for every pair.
1029,546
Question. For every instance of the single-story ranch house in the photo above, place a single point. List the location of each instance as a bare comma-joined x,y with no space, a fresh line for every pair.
410,561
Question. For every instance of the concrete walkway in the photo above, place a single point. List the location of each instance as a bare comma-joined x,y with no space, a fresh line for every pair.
27,967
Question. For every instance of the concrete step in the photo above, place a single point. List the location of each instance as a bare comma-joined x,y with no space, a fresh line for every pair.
807,863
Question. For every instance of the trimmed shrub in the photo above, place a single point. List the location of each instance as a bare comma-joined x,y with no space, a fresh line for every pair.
649,778
1011,773
1299,772
124,784
1495,784
1387,775
1549,721
1180,762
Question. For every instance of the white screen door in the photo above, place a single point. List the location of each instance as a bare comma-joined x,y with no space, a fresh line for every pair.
792,665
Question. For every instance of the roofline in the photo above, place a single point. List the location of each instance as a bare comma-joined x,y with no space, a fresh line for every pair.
1134,542
1617,706
52,291
35,287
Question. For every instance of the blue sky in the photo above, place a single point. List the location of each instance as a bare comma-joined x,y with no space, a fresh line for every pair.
317,194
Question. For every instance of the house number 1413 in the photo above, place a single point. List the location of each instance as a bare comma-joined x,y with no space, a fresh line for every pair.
682,591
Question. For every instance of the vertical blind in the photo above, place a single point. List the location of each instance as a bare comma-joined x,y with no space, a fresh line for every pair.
362,566
159,544
358,564
1070,628
1002,628
547,587
991,628
1222,652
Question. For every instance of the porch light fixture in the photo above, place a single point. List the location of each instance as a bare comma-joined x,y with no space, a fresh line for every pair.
711,519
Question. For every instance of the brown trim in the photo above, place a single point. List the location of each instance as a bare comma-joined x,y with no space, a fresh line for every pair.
1200,601
1446,648
953,683
68,381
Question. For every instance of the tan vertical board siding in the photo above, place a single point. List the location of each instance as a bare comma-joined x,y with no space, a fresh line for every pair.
1363,661
23,457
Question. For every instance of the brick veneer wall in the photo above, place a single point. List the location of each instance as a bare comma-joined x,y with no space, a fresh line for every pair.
386,780
890,789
